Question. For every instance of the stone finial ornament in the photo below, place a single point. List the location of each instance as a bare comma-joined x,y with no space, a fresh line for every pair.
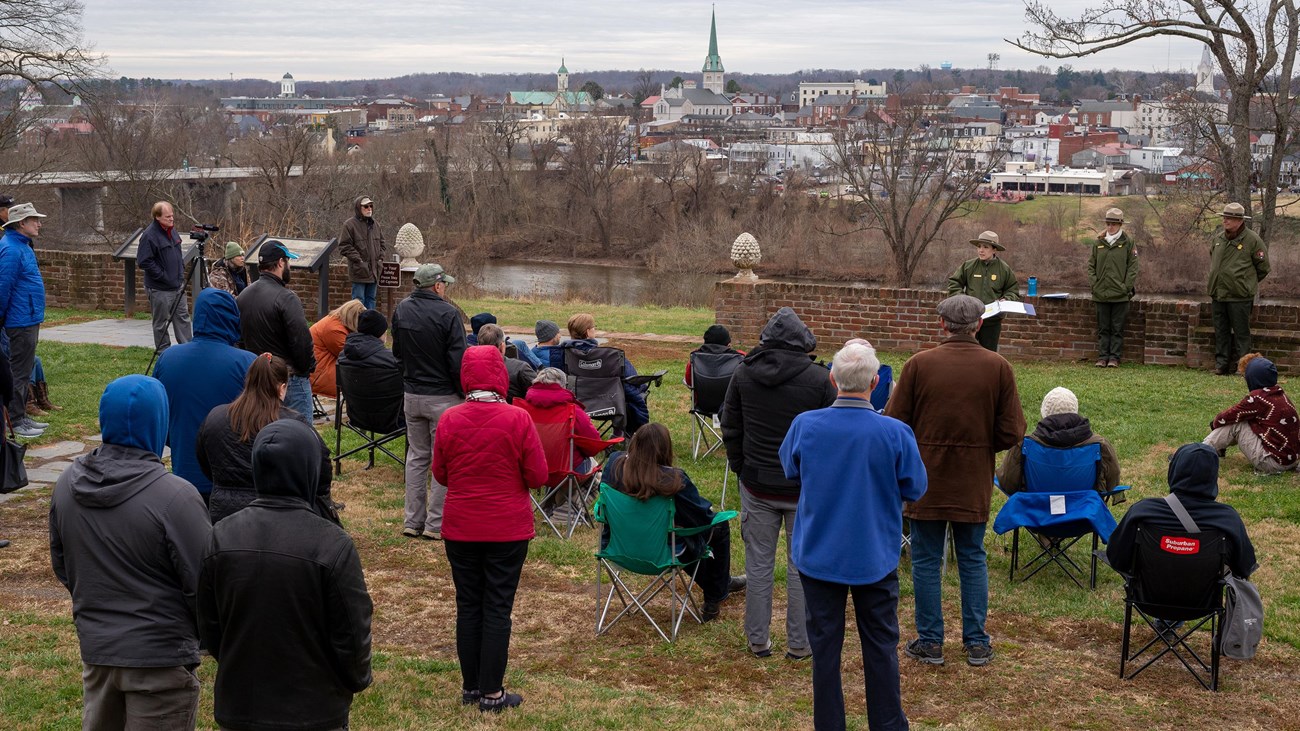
410,244
746,255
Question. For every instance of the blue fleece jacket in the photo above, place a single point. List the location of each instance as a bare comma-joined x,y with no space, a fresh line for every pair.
133,413
856,468
200,375
22,291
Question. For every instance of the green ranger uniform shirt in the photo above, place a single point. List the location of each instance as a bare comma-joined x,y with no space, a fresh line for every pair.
1113,269
1237,266
986,281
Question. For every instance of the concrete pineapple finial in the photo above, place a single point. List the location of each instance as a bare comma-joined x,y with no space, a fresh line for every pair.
410,244
746,255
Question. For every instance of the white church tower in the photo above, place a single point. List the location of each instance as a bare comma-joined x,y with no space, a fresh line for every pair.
286,86
562,78
1205,73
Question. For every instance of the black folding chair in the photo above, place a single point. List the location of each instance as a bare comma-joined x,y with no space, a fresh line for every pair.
710,376
595,377
372,398
1177,588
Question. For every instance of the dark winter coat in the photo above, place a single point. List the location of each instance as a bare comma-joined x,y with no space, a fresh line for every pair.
1113,269
160,256
962,404
429,342
362,243
776,382
271,321
127,536
1061,431
204,373
1194,478
986,281
283,606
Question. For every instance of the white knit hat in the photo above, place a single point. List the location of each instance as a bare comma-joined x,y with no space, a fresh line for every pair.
1060,401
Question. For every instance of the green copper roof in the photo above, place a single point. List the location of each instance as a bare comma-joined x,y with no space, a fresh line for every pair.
714,61
562,69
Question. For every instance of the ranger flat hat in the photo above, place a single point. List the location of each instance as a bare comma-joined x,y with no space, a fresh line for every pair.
1114,215
1232,210
990,238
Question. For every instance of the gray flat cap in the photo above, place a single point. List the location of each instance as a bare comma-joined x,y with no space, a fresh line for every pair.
961,309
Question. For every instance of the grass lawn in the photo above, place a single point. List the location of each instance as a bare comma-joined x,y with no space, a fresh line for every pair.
1057,647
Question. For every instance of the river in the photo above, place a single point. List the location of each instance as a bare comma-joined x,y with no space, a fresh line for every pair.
600,283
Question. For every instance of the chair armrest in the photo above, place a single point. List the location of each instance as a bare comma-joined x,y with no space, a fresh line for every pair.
722,517
1118,489
656,378
598,510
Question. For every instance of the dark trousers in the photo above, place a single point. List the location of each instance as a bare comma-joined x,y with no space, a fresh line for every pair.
1231,334
486,576
22,358
989,332
715,573
1110,328
876,606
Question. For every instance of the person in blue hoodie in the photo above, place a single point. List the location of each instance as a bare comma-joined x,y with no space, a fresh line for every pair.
200,375
22,308
855,468
127,539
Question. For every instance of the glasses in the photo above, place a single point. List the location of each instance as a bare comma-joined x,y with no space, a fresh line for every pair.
367,205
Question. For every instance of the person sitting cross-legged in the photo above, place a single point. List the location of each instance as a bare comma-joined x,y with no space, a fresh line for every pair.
1061,428
1264,424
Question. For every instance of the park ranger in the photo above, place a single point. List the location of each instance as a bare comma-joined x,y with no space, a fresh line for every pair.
1112,272
1238,261
988,279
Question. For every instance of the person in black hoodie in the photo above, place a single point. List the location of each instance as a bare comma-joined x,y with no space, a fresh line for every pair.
283,606
717,341
365,349
126,539
776,382
1194,478
1062,427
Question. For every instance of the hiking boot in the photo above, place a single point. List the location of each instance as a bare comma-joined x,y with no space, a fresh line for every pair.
1112,363
930,653
33,408
25,430
978,654
500,703
42,390
411,533
431,535
711,611
737,584
1101,363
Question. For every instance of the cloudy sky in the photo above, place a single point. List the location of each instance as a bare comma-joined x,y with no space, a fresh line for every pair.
329,39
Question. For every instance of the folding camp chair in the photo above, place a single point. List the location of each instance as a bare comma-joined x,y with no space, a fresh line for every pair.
1177,588
565,481
1059,507
372,398
884,387
596,379
710,376
644,541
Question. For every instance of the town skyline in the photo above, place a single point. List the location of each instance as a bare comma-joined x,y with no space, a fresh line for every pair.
143,38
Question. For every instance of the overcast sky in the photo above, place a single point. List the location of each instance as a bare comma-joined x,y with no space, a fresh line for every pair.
330,39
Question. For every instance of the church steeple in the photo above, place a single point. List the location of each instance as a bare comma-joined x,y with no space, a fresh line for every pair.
562,78
713,62
1205,73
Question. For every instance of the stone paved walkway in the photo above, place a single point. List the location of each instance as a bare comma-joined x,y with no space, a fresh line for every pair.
121,333
47,462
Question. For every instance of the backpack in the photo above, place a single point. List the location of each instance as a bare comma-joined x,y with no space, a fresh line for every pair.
1243,619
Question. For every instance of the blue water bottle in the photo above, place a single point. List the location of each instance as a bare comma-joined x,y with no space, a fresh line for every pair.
1033,286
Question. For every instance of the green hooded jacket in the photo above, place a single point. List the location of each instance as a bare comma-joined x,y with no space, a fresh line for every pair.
1113,269
986,281
1237,266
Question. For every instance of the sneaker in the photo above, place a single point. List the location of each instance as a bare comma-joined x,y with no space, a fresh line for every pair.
500,703
1113,363
29,421
711,611
411,533
765,651
930,653
22,429
796,657
737,583
431,535
978,655
4,542
470,697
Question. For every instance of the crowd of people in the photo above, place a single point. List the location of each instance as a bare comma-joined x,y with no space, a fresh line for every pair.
237,548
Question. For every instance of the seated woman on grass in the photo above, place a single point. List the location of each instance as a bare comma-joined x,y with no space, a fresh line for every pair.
1264,424
645,470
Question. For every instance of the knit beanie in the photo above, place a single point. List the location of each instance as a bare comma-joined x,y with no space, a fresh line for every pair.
545,330
233,250
372,322
477,322
717,335
1259,372
1060,401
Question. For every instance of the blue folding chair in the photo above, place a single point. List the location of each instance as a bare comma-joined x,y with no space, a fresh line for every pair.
1059,506
880,394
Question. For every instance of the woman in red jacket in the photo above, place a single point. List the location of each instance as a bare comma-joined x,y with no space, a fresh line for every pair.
488,455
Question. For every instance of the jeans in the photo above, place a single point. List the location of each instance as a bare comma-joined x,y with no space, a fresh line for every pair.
365,291
760,527
169,306
22,358
972,569
1110,328
424,495
38,370
486,576
116,698
1231,333
876,607
298,396
526,354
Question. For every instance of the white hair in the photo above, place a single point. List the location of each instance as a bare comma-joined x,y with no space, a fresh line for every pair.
854,367
550,375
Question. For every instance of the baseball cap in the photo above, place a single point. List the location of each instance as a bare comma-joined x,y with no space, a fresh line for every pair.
274,251
429,274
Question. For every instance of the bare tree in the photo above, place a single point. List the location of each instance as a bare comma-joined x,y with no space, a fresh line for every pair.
592,172
909,179
41,42
1254,43
285,151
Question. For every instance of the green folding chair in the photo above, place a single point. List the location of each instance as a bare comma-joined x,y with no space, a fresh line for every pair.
643,541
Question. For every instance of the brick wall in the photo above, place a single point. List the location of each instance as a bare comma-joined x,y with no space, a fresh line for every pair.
1158,331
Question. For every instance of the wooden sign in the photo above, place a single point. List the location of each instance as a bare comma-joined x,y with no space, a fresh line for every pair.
390,274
